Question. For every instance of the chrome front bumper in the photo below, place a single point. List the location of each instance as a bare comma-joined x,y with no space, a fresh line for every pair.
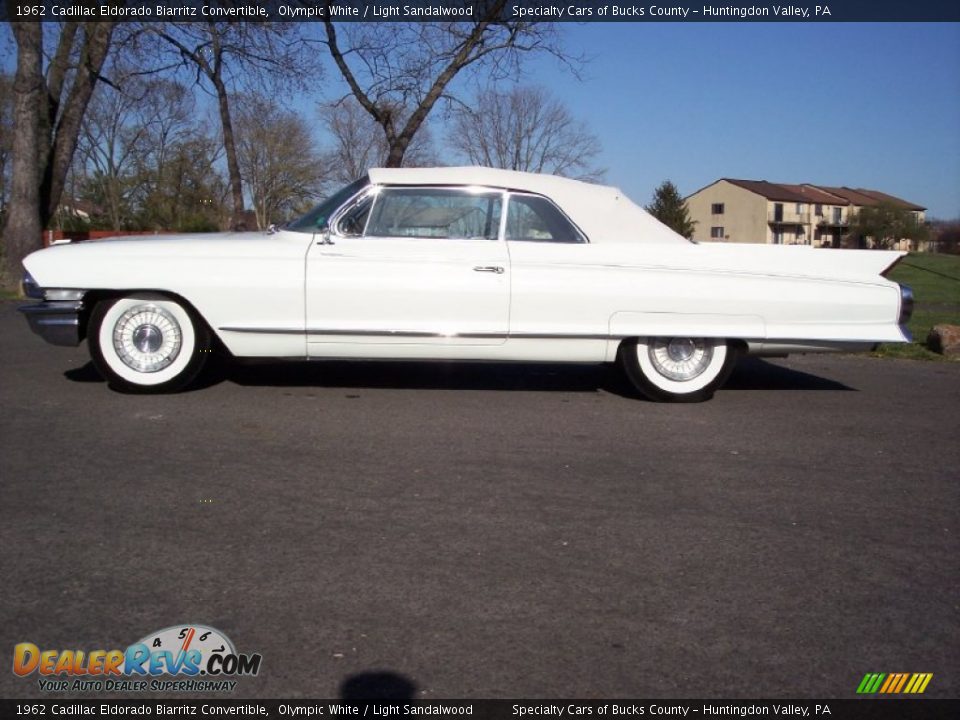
57,322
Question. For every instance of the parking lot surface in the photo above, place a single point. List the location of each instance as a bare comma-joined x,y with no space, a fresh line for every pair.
478,530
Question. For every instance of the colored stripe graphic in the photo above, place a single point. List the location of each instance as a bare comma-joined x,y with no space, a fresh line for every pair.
918,683
903,679
870,683
894,683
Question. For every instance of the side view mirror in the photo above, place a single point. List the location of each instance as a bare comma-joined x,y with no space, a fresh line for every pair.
325,235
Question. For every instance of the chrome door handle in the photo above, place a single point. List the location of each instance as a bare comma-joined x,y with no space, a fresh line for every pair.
489,268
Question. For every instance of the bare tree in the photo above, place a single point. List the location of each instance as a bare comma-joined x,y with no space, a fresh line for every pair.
179,184
277,159
171,110
146,160
358,144
525,129
187,192
47,113
234,56
113,136
398,72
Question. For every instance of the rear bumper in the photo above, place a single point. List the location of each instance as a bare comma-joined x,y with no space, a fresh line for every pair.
56,322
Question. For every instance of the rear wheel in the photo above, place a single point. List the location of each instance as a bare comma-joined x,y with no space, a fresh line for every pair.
147,343
677,369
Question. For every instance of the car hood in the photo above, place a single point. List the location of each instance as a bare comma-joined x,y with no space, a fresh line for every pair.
75,260
215,243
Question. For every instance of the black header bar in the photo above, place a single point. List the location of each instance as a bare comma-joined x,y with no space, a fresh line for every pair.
467,10
400,709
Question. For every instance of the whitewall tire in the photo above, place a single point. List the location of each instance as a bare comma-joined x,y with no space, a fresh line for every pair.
147,343
677,369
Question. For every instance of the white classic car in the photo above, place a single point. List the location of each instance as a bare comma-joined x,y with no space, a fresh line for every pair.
461,264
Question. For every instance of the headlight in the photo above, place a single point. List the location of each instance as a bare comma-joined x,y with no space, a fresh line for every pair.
906,304
63,294
30,287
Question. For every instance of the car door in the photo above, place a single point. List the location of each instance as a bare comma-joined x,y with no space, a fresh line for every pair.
410,266
559,290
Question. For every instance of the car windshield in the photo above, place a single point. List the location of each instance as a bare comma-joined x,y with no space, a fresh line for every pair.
318,217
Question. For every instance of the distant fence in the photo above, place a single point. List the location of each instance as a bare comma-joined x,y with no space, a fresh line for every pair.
50,236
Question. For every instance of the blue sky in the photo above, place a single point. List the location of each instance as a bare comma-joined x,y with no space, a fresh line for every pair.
856,104
873,105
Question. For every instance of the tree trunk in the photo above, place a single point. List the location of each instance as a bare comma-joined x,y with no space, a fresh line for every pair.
230,148
96,43
398,148
22,233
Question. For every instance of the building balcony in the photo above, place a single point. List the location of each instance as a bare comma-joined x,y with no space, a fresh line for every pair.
788,218
825,222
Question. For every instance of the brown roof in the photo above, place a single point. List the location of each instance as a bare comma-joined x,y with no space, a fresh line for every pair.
816,195
853,196
769,190
821,194
869,198
883,197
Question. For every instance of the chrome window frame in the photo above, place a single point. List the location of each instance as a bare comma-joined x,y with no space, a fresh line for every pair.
377,189
338,214
585,239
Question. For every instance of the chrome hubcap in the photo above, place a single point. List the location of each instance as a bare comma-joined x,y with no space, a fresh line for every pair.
681,349
680,359
147,338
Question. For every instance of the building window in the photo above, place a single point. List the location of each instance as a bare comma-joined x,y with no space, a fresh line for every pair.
818,209
716,209
716,233
799,208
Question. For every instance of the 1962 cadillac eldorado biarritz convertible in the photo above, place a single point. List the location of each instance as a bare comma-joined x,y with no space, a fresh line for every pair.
461,264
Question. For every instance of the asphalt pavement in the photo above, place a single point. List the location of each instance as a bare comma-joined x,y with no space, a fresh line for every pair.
481,530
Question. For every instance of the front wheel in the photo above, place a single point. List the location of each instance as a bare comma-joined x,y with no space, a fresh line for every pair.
677,369
147,343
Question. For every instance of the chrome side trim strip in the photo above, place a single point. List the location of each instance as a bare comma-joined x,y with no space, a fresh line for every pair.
564,336
423,334
263,331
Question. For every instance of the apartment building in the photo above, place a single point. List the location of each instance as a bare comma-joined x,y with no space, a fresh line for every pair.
757,211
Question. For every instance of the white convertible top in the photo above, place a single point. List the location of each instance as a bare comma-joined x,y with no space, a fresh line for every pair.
604,213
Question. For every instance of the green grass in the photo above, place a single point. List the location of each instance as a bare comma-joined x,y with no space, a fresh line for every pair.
935,280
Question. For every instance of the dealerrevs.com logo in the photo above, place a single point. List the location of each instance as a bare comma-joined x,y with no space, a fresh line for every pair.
180,658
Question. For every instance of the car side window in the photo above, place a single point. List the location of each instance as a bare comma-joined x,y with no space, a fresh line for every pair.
435,213
533,218
354,220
